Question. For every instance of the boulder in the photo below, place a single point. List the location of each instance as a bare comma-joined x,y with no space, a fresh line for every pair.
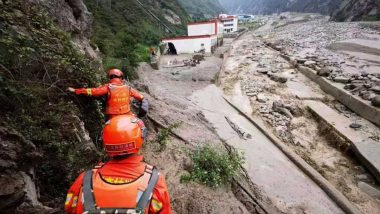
324,72
349,86
342,79
279,107
376,89
262,70
261,98
279,78
376,101
309,63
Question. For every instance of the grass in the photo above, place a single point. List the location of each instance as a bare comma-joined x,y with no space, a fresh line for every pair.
213,166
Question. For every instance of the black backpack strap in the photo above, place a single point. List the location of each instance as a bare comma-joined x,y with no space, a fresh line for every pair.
88,196
148,193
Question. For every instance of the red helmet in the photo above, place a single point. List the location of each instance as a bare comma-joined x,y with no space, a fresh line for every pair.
123,134
115,73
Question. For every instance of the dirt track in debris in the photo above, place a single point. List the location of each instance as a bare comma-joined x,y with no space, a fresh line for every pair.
167,91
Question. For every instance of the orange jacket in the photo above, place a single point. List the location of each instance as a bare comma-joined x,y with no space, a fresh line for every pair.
121,171
118,99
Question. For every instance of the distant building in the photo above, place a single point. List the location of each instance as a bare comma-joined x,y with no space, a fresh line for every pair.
202,36
243,18
230,23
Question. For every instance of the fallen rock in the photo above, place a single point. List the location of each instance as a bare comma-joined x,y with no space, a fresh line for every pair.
341,79
324,72
376,101
293,62
370,190
376,89
301,60
279,78
279,107
262,70
349,86
261,98
309,63
362,177
355,125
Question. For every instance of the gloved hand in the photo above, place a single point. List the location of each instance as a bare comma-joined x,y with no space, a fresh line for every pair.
70,89
144,107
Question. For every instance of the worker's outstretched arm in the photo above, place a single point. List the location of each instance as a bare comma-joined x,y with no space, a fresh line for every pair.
92,92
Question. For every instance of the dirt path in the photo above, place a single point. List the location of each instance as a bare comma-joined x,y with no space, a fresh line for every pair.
289,189
168,91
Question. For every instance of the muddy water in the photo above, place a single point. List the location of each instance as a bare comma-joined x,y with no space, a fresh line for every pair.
289,189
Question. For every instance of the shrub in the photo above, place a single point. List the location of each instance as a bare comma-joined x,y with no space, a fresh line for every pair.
213,166
163,135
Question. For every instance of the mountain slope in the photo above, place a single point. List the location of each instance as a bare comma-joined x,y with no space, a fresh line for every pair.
275,6
45,133
135,27
353,10
201,9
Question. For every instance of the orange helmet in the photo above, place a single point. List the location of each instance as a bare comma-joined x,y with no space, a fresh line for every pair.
115,73
123,134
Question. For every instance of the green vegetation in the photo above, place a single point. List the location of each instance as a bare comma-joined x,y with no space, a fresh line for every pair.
163,135
125,31
371,17
213,166
202,9
37,62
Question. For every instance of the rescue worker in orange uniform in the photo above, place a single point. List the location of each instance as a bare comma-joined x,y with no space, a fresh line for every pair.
124,184
118,95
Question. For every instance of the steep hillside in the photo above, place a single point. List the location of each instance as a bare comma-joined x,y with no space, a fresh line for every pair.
353,10
202,9
275,6
133,26
45,133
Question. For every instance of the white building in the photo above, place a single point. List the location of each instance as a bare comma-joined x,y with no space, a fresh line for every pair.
230,23
191,44
205,36
211,27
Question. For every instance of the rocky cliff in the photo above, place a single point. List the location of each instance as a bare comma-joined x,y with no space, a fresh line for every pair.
45,134
354,10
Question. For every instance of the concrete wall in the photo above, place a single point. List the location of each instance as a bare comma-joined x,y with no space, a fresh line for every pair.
191,45
357,105
201,29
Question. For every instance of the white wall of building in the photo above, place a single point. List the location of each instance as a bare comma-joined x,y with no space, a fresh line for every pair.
230,23
201,29
191,45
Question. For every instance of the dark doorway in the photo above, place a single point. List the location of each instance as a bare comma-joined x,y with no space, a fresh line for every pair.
172,50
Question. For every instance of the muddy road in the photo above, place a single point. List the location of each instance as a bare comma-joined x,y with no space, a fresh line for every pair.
269,88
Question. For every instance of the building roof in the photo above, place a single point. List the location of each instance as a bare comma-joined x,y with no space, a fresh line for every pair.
211,21
187,37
